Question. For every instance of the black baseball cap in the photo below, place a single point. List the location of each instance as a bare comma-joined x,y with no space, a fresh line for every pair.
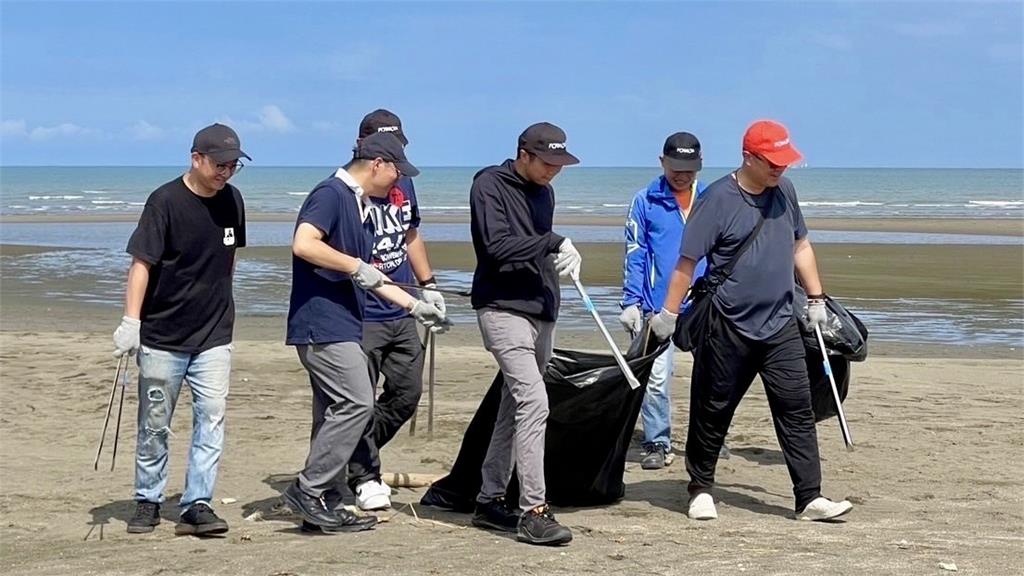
382,120
219,143
547,141
387,147
682,152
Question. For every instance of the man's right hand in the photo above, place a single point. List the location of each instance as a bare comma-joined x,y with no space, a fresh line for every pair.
367,277
632,319
663,324
126,337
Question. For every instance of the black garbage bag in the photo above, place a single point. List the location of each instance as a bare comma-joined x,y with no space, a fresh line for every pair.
822,402
592,413
845,335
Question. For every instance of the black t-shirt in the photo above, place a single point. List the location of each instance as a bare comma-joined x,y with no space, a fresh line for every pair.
758,296
190,243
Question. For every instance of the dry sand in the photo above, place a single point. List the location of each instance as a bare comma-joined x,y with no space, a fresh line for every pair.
937,477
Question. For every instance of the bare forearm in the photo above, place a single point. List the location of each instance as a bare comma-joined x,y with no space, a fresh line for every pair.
679,284
807,267
135,293
418,255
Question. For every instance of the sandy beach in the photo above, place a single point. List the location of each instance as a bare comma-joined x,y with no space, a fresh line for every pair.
937,476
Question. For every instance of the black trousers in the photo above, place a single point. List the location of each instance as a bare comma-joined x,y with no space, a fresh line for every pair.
725,363
393,349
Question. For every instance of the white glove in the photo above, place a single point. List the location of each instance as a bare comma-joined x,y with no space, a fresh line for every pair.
632,319
428,315
568,260
816,315
126,337
433,297
663,324
367,277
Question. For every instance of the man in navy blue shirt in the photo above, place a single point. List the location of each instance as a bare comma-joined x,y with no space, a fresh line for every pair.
752,330
330,274
390,339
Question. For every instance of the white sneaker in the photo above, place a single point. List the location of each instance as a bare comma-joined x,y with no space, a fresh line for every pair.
822,508
702,507
373,495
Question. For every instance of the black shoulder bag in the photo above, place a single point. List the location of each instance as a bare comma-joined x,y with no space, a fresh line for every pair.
692,323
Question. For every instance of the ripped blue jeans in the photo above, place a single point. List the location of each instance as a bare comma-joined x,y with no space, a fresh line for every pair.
161,374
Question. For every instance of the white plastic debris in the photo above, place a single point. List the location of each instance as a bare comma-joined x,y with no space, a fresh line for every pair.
948,566
228,500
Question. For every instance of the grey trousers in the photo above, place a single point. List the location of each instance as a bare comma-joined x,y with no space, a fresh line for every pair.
342,406
522,346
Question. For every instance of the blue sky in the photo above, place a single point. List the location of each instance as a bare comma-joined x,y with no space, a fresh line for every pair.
913,84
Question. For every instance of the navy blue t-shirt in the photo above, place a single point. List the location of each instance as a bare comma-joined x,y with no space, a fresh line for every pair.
390,218
758,296
326,306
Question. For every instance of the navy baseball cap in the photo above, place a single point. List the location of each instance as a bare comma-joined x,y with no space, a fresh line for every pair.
682,152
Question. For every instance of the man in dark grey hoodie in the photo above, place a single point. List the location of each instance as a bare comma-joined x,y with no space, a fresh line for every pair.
516,296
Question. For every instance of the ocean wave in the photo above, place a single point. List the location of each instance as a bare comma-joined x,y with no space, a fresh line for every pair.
445,207
606,205
996,203
96,191
56,197
106,201
297,193
842,204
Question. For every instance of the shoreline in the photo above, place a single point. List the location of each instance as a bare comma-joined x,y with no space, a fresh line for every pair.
1013,227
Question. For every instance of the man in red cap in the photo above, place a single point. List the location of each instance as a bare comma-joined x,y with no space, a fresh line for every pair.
751,329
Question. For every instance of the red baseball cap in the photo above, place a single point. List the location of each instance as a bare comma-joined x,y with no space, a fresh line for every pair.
770,140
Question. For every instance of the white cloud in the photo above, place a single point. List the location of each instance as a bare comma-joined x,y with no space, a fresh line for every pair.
13,128
273,119
143,130
40,133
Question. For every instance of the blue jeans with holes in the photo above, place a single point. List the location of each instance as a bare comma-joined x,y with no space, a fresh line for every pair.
161,374
656,410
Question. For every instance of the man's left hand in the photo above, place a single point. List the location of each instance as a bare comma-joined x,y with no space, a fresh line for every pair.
433,297
817,317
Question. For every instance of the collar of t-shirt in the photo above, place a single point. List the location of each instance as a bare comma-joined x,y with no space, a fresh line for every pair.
344,176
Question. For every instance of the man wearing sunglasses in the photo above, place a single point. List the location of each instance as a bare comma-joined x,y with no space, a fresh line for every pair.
390,339
752,330
331,273
179,316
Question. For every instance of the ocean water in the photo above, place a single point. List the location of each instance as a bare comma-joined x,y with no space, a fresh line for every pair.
97,274
824,192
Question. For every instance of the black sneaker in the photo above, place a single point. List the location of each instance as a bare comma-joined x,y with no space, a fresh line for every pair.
654,457
349,522
147,516
538,526
200,520
496,515
317,516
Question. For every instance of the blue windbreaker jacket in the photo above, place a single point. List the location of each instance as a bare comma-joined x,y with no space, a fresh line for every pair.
654,233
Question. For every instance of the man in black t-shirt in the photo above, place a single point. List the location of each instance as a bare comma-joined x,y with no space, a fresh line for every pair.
179,313
752,330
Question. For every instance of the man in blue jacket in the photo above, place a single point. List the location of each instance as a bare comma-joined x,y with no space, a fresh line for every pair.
654,233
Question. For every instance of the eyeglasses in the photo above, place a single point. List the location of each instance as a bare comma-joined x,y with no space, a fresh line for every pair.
229,167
